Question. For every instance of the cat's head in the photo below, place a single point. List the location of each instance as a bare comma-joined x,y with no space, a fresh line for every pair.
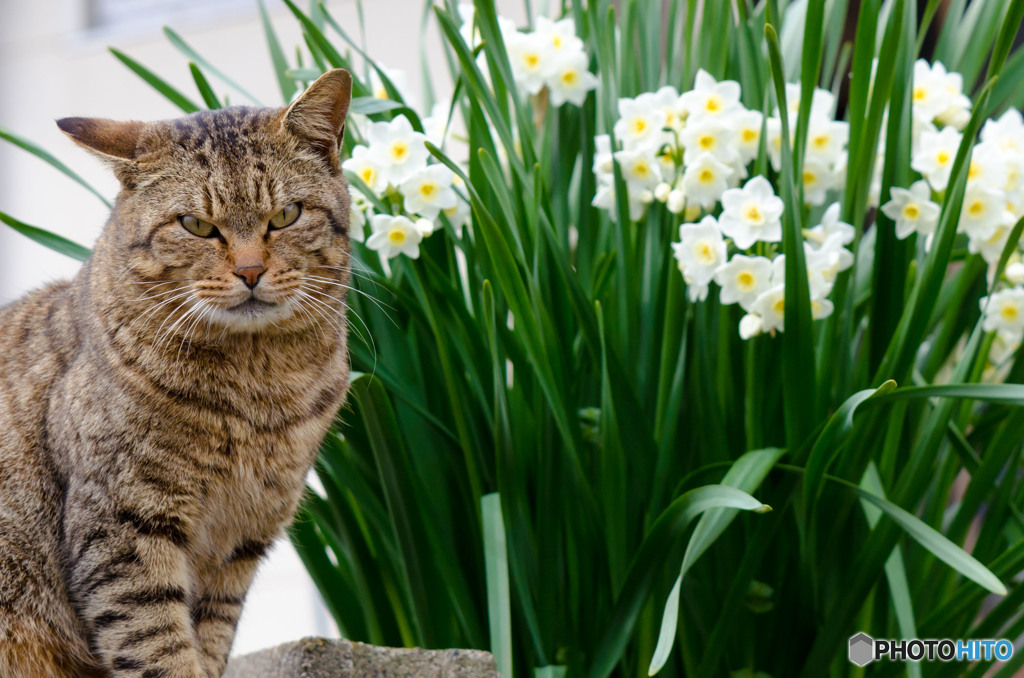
235,219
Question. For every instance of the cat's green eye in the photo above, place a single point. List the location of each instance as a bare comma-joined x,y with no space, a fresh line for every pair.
204,229
287,216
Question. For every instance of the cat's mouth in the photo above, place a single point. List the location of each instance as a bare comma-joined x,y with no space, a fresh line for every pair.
253,306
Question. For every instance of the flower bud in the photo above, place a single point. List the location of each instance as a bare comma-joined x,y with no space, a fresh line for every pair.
676,201
1015,273
750,326
661,192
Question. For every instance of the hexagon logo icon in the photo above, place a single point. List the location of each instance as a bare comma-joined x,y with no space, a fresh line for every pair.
862,649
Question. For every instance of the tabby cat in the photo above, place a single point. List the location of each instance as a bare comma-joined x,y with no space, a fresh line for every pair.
159,413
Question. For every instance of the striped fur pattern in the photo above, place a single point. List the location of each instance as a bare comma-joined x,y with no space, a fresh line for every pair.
157,416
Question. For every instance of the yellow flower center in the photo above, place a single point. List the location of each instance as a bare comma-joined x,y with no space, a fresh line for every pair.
745,280
556,40
570,77
754,215
399,150
976,209
822,140
974,171
810,178
713,104
750,134
641,170
381,93
942,158
706,142
396,236
920,93
368,175
532,60
706,176
911,212
1009,312
428,191
705,253
639,125
779,307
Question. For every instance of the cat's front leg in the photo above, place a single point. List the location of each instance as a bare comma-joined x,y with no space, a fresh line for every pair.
219,604
133,584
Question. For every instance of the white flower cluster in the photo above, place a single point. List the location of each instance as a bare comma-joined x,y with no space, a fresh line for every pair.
550,56
756,282
394,169
687,150
994,200
692,152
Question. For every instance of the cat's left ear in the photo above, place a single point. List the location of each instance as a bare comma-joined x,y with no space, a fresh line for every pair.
318,115
114,142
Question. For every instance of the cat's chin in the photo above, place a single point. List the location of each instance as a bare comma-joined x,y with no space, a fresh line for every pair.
252,315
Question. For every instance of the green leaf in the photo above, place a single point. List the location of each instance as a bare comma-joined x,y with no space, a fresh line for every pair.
373,105
47,239
649,560
499,605
37,151
204,87
937,545
746,474
158,83
195,57
284,81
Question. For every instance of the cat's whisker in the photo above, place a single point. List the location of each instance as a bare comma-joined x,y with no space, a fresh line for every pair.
377,302
160,335
205,306
317,329
158,306
369,335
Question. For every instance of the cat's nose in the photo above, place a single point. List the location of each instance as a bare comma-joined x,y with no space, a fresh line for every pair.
250,274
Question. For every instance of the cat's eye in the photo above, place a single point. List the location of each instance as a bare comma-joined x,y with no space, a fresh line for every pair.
204,229
287,216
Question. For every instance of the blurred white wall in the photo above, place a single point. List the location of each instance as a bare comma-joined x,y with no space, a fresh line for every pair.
53,64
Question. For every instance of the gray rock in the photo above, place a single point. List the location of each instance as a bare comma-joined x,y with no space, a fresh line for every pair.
322,658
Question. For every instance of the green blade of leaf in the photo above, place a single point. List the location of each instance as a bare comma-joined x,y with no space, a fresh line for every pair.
50,240
286,83
499,604
158,83
194,56
204,87
37,151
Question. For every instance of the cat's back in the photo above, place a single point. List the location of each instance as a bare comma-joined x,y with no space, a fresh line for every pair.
38,339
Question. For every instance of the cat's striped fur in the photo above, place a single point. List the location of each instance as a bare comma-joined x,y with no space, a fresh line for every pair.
153,441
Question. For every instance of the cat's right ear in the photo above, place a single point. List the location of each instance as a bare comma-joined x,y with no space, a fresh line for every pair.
318,115
112,141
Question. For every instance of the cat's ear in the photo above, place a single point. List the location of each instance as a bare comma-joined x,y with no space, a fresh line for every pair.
112,141
107,138
318,115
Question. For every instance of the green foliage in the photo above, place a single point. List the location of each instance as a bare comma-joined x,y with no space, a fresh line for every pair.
541,413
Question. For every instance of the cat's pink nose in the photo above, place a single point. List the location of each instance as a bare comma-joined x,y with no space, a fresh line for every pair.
250,274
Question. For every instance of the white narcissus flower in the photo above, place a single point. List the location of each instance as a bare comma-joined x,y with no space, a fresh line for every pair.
1007,132
605,199
532,58
826,139
361,165
356,220
1004,312
429,191
990,248
823,103
821,308
988,166
770,306
667,99
705,179
458,216
934,90
912,210
640,122
603,156
700,251
434,125
743,278
570,80
640,169
561,35
818,179
830,226
1014,273
393,236
397,149
710,97
398,79
935,155
751,325
712,135
752,213
746,125
662,191
676,201
983,211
